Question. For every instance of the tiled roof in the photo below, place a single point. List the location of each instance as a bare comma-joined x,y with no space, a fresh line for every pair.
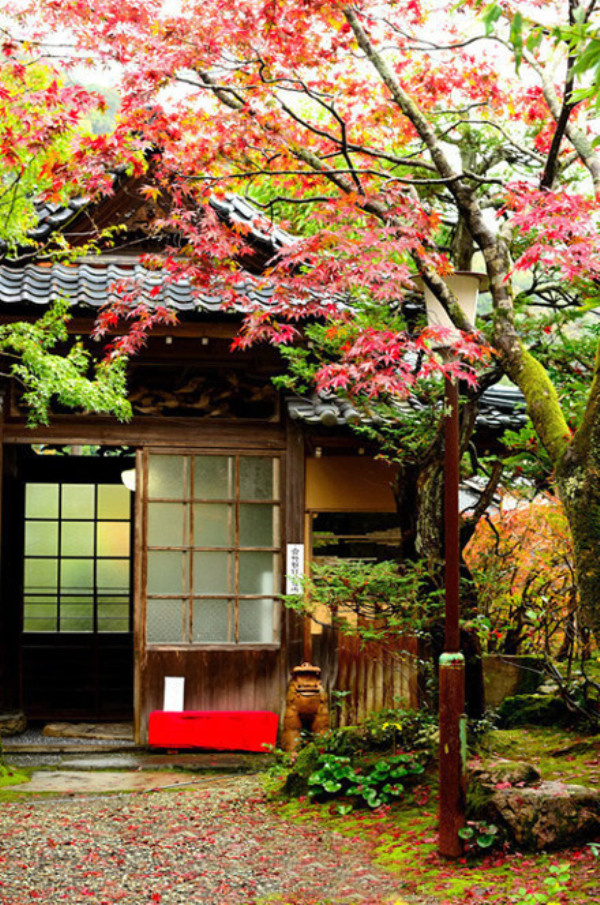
53,217
231,209
89,285
237,210
500,407
88,282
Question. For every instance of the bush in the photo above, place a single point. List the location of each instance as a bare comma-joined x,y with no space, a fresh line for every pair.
406,734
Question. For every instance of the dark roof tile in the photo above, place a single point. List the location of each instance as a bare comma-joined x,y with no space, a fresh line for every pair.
500,408
90,285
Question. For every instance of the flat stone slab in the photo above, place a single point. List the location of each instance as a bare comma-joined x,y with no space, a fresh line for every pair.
77,782
97,759
490,773
101,731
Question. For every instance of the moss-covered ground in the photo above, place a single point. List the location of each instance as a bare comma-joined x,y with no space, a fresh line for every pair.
9,776
403,836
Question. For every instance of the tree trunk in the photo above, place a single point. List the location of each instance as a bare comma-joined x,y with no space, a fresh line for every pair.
579,490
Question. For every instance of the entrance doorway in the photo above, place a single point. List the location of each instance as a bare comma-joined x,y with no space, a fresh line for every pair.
71,564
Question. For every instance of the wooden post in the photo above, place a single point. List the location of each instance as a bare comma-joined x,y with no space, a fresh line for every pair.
452,666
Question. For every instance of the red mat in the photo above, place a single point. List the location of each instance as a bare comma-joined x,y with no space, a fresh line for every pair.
225,730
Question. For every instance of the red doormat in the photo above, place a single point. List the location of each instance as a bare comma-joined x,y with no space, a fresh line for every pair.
224,730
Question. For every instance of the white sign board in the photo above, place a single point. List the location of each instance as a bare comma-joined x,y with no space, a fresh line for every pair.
173,699
294,569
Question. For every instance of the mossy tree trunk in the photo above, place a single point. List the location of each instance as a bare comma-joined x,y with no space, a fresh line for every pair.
578,482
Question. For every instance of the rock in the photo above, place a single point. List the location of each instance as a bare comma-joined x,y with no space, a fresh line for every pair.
551,815
534,710
490,773
12,724
505,675
548,688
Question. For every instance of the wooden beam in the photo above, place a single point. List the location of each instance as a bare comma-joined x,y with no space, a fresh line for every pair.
221,329
175,432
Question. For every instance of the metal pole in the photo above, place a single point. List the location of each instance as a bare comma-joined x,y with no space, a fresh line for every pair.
452,665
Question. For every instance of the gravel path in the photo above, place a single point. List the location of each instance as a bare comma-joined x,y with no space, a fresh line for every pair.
212,844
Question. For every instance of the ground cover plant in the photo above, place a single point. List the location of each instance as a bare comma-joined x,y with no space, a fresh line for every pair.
9,776
403,834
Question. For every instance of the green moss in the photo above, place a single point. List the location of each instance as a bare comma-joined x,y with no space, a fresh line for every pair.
543,405
556,753
306,763
532,710
11,777
478,797
404,842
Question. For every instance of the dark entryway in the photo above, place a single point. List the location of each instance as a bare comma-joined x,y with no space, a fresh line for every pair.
67,583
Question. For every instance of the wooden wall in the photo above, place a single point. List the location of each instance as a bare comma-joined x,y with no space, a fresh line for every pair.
224,679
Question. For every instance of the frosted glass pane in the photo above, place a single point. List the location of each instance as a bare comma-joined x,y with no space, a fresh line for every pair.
41,501
76,617
112,573
76,574
256,621
167,572
257,478
114,501
112,538
165,622
213,621
41,575
77,539
213,478
213,573
78,500
41,538
113,617
166,477
256,573
257,525
166,524
40,617
214,525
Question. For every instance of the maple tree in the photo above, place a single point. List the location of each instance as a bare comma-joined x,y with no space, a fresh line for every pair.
49,154
411,136
522,559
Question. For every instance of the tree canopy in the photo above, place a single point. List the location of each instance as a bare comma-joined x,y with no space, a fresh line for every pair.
49,155
417,139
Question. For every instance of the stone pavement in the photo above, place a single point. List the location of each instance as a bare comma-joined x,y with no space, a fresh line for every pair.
92,760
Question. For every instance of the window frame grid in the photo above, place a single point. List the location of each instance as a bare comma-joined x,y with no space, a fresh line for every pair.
62,597
232,596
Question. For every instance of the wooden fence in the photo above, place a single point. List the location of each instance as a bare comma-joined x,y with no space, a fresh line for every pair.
362,677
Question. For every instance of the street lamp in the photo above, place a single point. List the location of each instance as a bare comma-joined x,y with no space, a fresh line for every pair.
452,721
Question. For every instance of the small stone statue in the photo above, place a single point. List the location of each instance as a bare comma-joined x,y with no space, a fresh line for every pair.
306,706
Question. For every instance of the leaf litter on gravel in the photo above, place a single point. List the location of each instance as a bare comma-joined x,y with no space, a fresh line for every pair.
218,846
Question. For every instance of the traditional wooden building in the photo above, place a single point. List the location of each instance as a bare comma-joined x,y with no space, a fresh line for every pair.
157,548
